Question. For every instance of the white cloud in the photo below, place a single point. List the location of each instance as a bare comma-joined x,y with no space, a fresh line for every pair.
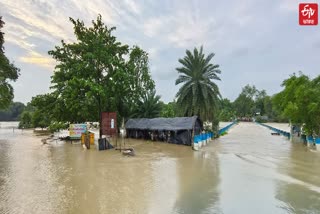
20,42
134,7
39,60
153,26
290,5
189,32
153,52
243,34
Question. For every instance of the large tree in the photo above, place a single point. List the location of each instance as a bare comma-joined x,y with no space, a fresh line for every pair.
314,105
245,102
8,72
132,85
291,101
93,76
199,94
227,112
299,101
169,110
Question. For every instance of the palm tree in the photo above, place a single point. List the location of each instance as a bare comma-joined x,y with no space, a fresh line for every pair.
148,106
198,95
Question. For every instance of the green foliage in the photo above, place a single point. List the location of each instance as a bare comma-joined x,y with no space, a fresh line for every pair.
252,102
86,68
26,120
13,112
57,126
226,115
148,106
223,133
299,101
40,120
198,95
8,72
267,107
244,105
135,83
140,80
226,112
313,106
215,123
1,34
259,102
168,110
288,101
207,127
44,106
93,76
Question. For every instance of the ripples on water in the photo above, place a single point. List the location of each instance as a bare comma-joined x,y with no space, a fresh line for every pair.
246,171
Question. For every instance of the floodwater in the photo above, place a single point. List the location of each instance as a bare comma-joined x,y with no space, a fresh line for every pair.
246,171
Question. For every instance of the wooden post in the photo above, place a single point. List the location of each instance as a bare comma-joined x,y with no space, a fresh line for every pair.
192,136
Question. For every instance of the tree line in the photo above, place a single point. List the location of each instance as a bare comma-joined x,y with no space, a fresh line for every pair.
13,112
251,103
98,73
8,72
299,101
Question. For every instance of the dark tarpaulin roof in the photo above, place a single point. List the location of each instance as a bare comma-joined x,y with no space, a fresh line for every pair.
169,124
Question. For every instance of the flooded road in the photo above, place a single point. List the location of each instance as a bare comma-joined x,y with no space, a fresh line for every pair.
246,171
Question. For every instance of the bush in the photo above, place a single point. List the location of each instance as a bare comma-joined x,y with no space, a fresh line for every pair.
25,120
56,126
223,133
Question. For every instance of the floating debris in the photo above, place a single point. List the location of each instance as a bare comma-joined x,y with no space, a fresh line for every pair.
128,152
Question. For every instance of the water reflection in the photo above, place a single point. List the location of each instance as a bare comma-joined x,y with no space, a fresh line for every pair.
198,182
299,187
29,183
103,182
257,169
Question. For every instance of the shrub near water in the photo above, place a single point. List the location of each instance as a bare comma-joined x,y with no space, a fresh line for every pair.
224,133
56,126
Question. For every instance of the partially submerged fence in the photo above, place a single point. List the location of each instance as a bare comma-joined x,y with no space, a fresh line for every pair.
279,131
201,140
225,129
313,141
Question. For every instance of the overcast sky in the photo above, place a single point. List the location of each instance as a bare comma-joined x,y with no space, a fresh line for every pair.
255,42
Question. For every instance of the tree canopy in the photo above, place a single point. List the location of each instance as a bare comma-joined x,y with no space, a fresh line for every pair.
251,102
148,106
244,104
8,72
227,112
92,75
169,110
198,95
299,101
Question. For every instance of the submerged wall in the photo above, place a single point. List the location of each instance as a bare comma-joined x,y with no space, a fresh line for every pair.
202,139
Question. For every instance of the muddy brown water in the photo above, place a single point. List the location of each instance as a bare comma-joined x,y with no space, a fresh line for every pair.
246,171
